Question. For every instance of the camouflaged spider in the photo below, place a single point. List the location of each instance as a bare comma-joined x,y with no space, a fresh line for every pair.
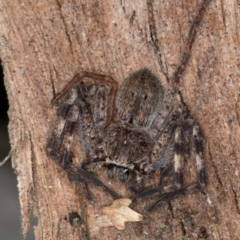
134,131
149,129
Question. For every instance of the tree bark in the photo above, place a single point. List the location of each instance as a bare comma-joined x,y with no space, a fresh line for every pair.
45,43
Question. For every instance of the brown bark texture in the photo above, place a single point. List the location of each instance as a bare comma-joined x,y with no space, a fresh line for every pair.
43,44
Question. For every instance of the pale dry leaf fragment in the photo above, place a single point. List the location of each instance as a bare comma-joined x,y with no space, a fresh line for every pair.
117,214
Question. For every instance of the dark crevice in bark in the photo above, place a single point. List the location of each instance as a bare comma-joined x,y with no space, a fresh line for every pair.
183,228
123,8
215,167
133,15
153,35
189,43
52,83
65,27
236,200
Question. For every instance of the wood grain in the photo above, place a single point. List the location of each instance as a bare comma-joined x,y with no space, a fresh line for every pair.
43,44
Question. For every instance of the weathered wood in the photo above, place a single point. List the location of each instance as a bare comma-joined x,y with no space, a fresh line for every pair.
45,43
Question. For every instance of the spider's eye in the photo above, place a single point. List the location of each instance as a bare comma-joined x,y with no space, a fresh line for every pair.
146,97
125,171
124,174
130,120
111,171
111,167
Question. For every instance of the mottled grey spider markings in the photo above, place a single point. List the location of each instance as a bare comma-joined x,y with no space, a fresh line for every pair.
73,110
148,131
133,131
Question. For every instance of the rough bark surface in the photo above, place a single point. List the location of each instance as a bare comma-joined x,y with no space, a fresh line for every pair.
43,44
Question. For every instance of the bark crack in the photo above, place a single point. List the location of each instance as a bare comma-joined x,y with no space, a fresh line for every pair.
236,109
189,44
236,200
52,82
223,15
33,168
123,8
215,168
183,228
153,35
65,26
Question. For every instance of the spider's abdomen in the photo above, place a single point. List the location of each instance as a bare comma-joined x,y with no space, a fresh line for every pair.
128,147
138,98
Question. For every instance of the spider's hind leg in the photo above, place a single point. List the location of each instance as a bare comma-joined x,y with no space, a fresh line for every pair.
178,160
198,147
167,192
175,167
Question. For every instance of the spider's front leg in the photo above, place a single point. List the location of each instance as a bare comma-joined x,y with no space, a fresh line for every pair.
105,80
90,107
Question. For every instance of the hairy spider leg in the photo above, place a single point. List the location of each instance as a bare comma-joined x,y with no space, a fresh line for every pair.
60,142
101,79
160,120
169,192
177,166
178,156
198,146
168,196
74,108
197,136
67,116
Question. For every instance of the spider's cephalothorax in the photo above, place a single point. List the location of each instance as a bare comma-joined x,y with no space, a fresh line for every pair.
133,131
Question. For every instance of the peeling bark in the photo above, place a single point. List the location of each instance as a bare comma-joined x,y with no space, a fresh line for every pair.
43,44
